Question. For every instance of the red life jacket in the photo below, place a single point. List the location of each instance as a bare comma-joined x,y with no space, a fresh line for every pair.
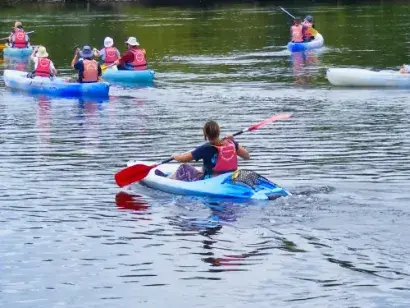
19,39
297,35
90,73
139,63
227,159
43,67
111,55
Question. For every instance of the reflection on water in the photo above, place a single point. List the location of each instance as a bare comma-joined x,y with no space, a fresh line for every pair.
70,237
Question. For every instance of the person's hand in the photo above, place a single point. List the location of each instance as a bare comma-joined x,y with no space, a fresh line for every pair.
175,156
77,51
116,62
229,137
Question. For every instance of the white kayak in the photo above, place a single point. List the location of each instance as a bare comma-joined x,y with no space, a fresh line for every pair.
355,77
227,185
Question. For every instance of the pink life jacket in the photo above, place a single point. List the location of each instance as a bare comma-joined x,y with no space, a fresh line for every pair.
111,55
227,159
139,63
19,39
43,67
90,73
297,34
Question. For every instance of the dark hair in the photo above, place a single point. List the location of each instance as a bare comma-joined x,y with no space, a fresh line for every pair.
211,130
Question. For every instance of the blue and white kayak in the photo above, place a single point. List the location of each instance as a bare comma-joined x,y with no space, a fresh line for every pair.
221,186
17,52
122,76
317,42
54,86
356,77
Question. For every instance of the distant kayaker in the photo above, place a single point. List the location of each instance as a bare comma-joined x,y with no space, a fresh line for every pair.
88,69
296,31
109,54
43,66
18,37
307,24
218,156
405,69
133,58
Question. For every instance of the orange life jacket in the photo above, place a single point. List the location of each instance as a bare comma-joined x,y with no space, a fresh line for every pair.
19,39
90,73
111,55
139,63
297,33
43,67
227,159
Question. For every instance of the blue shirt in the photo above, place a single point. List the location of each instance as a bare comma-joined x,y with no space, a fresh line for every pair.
208,153
79,65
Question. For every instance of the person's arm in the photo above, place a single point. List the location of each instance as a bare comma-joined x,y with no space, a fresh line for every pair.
242,153
53,69
32,57
99,70
183,158
128,56
96,52
75,59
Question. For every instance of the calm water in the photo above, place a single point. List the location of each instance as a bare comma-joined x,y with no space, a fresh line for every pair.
70,238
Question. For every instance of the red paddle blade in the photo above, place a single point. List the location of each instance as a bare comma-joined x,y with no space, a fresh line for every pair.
132,174
276,117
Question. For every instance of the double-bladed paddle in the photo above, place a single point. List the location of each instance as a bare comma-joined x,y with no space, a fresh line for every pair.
138,172
5,38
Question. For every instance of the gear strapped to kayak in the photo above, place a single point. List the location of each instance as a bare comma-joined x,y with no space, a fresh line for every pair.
252,179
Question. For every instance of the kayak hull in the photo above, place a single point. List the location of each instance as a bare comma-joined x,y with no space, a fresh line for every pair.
17,52
316,43
219,186
55,86
355,77
121,76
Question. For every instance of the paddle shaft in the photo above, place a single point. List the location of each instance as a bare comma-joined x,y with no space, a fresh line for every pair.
286,12
5,38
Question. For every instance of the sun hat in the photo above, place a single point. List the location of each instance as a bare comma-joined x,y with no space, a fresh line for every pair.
309,18
86,52
108,42
132,41
42,52
18,24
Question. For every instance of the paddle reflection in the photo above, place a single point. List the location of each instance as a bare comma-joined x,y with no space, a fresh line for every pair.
134,202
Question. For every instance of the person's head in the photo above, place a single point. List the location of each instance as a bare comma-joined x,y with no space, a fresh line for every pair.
18,25
211,131
87,52
132,42
309,18
108,42
297,21
42,52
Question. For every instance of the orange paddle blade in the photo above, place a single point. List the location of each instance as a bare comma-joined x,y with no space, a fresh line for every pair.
132,174
276,117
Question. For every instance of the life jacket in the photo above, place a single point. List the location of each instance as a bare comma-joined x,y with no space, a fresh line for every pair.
43,68
297,35
111,55
308,25
139,63
19,39
90,73
227,159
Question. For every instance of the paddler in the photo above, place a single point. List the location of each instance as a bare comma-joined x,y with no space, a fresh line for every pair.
88,69
296,31
133,58
43,66
307,24
405,69
18,37
109,54
218,156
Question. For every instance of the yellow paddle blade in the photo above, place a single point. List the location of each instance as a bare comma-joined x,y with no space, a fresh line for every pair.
312,31
2,46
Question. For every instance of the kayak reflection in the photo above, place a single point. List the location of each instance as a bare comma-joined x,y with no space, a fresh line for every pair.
301,63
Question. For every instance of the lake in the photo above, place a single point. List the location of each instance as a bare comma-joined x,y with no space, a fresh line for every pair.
71,238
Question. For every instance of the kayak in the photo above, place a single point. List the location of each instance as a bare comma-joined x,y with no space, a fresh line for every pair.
355,77
54,86
225,185
317,42
17,52
114,75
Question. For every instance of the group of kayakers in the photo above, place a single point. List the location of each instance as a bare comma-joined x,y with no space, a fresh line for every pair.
89,70
300,31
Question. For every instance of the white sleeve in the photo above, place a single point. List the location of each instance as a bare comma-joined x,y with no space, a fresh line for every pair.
52,65
35,60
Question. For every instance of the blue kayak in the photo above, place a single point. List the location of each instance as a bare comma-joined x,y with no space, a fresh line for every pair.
17,52
227,185
114,75
54,86
317,42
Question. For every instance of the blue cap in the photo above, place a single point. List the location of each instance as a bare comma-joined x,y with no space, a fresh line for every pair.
309,18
